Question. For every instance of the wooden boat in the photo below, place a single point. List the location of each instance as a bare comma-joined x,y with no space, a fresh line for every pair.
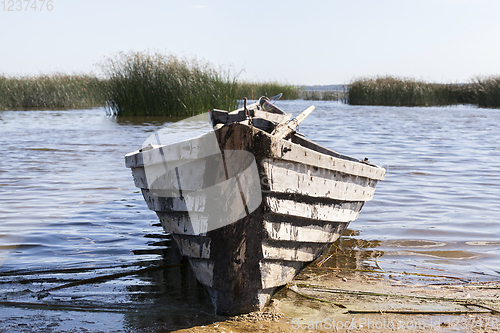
253,202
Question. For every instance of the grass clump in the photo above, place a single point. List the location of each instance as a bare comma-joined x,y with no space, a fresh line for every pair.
269,89
153,84
54,91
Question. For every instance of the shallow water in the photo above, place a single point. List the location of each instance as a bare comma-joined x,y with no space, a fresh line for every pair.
68,202
439,205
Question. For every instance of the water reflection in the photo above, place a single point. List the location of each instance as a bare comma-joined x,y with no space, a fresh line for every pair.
144,121
458,259
349,252
161,295
169,299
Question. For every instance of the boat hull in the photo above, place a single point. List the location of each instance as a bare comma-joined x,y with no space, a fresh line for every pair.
307,195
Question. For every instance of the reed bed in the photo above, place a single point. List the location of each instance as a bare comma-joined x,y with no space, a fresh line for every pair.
153,84
54,91
486,91
269,89
391,91
397,92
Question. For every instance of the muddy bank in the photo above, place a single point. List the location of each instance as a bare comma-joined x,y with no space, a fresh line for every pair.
340,300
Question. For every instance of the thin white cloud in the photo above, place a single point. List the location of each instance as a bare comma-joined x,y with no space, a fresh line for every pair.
198,7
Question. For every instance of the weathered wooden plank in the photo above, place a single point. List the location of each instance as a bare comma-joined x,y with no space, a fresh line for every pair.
275,117
190,177
293,177
263,104
196,148
291,251
195,203
304,142
204,271
218,209
219,116
139,176
278,273
284,228
292,152
314,210
193,247
134,159
184,223
224,117
250,107
260,123
264,295
239,136
187,177
219,205
195,175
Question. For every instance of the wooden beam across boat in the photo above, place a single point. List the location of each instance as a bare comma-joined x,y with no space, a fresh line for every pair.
285,128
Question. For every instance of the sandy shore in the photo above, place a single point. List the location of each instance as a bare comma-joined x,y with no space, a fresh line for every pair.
341,300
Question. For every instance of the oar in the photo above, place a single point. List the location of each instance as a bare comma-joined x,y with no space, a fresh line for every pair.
284,128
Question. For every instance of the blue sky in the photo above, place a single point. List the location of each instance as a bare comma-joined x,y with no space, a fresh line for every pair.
295,42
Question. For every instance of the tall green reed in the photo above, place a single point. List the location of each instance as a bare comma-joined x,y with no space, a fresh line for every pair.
54,91
154,84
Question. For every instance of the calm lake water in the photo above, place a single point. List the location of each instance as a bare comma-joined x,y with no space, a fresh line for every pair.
69,211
